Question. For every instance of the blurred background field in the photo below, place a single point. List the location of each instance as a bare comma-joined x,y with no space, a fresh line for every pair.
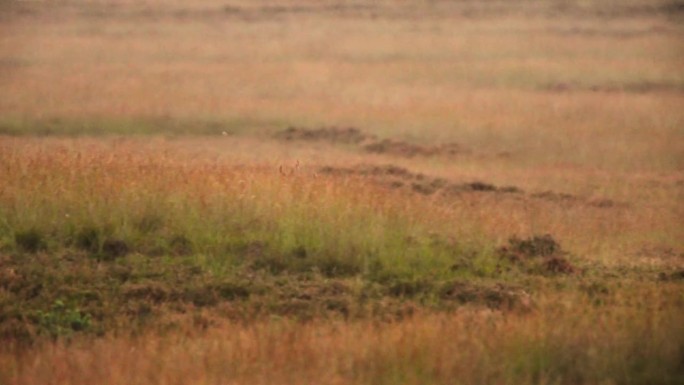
532,77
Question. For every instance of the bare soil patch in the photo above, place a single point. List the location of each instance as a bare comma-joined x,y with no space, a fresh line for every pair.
395,177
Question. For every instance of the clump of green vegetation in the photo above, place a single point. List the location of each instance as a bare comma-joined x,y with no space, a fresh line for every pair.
91,289
62,320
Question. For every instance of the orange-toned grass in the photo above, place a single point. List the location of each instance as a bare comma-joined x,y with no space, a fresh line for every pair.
114,186
637,338
550,86
641,224
563,99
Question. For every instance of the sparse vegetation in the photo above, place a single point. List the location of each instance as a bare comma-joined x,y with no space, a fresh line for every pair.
341,193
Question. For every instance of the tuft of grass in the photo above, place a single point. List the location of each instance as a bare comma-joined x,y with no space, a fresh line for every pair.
31,240
62,320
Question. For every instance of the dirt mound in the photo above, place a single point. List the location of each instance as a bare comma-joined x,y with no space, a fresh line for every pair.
537,246
368,142
499,296
409,150
672,276
373,170
605,203
390,176
555,196
482,187
636,87
564,198
345,135
400,178
540,253
396,177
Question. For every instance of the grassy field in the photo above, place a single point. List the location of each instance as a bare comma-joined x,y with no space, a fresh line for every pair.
329,192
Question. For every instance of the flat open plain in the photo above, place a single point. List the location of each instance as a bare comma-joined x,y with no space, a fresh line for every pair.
341,192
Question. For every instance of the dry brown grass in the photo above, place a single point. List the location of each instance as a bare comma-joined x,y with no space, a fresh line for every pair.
504,82
613,219
566,341
575,332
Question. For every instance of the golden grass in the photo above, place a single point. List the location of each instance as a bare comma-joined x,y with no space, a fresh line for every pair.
642,215
502,83
478,80
565,341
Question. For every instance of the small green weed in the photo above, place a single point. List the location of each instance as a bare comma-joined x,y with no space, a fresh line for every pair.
63,320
